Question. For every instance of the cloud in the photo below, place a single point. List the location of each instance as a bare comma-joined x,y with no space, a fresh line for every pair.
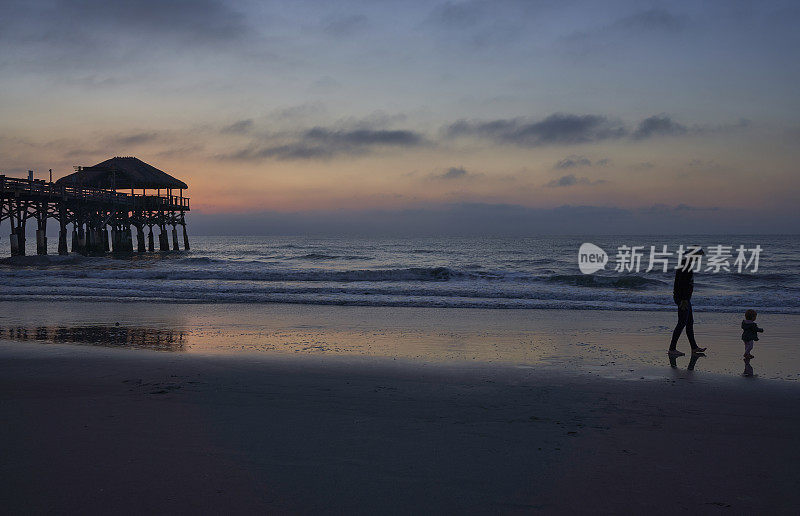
651,20
239,127
323,143
453,173
287,152
364,137
132,139
571,129
87,34
703,164
197,20
576,161
458,15
555,129
342,26
666,209
299,114
616,36
573,162
686,207
325,84
471,26
83,153
658,125
179,152
572,180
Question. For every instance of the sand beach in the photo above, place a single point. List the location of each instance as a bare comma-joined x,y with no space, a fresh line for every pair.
552,422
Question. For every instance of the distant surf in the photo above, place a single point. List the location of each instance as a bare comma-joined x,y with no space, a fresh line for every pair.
454,272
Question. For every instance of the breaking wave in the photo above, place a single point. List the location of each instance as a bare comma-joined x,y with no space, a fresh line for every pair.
496,274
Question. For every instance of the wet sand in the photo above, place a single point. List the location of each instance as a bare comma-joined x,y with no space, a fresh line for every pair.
605,343
109,428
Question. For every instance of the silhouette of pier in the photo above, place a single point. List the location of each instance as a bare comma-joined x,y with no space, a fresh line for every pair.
119,193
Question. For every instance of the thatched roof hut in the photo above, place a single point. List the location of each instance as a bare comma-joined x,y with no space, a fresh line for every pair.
122,173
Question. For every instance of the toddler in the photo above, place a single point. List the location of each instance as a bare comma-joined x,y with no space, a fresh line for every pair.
750,332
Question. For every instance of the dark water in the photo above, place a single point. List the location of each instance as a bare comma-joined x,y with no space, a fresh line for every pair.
441,272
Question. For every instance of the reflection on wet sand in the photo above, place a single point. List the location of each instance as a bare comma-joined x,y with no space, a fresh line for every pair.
673,361
693,360
95,335
748,369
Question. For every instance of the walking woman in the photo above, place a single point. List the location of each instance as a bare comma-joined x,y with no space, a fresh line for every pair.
682,295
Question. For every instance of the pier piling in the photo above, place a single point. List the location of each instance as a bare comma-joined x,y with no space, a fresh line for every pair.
140,239
175,246
18,241
163,241
185,237
62,232
41,241
14,239
41,229
62,241
98,246
81,239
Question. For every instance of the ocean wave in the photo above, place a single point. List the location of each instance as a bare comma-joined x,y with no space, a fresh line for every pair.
158,286
584,280
50,259
203,268
321,256
394,289
530,261
760,277
227,274
195,260
380,301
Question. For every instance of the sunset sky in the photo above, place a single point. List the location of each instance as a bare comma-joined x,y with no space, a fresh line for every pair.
622,115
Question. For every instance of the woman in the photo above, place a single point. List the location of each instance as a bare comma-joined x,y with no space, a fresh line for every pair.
682,295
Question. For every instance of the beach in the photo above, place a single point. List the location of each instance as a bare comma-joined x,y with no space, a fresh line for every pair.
451,257
303,409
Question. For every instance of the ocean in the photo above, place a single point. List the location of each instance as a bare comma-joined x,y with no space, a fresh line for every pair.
492,273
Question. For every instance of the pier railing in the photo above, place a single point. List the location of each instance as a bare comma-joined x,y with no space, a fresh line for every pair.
39,189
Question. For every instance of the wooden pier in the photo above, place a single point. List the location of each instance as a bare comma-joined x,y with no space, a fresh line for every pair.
117,195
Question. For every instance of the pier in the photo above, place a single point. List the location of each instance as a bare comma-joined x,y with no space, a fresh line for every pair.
109,199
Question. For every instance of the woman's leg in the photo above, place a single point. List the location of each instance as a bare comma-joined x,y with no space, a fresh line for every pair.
690,327
682,317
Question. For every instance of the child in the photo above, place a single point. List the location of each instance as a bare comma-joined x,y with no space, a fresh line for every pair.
750,332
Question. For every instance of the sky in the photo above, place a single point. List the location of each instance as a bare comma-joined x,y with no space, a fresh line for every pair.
489,117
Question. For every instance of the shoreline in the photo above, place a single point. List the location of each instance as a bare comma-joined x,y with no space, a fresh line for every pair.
616,344
546,306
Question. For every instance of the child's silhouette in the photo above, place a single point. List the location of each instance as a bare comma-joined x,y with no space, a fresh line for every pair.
750,331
